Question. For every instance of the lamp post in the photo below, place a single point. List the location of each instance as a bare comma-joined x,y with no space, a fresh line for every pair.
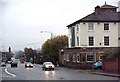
47,32
51,41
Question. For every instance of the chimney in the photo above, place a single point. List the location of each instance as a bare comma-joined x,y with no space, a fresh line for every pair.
97,10
119,6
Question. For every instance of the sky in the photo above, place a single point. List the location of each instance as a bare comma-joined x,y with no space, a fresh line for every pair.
21,21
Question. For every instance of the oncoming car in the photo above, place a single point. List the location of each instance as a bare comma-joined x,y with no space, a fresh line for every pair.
28,64
3,64
48,65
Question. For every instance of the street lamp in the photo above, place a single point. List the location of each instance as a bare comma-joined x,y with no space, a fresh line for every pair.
50,41
47,32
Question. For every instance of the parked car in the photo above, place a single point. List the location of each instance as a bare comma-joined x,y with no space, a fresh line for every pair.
97,65
14,63
48,65
28,64
3,63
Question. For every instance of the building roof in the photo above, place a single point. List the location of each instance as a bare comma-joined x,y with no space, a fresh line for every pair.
103,16
108,6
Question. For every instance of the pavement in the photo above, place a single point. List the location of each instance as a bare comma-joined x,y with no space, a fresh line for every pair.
101,72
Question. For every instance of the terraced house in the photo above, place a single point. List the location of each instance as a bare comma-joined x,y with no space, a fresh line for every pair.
92,36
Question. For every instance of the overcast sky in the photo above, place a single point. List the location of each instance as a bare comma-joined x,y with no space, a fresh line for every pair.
22,20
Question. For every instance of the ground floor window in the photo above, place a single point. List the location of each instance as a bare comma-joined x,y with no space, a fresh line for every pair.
78,57
89,57
67,57
74,57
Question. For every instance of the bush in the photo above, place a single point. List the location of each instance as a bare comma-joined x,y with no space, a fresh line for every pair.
110,56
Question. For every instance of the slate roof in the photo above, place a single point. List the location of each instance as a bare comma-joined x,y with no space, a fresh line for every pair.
108,6
102,17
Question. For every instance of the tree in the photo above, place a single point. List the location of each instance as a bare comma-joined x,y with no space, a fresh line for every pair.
19,54
30,54
50,49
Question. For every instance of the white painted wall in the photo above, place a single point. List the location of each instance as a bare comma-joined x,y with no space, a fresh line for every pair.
69,37
99,34
119,6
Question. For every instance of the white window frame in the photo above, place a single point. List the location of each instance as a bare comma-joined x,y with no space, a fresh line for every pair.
89,55
108,26
73,57
93,41
90,26
77,28
100,57
104,40
78,57
67,58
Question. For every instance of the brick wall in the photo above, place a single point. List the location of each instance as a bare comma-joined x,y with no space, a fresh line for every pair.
83,51
111,66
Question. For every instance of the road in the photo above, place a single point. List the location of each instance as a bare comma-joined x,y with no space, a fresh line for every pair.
36,73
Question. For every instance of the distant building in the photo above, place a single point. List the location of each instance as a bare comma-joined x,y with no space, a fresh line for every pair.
92,36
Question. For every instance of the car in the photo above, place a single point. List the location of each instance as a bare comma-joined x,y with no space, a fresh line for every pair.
48,65
9,62
28,64
21,61
3,64
97,65
14,63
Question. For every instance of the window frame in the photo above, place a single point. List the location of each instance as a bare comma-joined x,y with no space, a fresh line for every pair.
67,58
77,27
105,42
78,57
91,26
73,57
106,26
78,44
90,43
90,54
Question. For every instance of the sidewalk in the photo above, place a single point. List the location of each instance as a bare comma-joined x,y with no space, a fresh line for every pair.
100,72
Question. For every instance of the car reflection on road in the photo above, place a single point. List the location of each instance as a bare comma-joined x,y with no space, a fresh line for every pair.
49,75
29,68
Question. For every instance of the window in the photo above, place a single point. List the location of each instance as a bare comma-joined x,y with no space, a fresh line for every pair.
90,58
77,27
100,57
67,57
77,41
106,26
74,57
91,41
90,26
78,58
106,40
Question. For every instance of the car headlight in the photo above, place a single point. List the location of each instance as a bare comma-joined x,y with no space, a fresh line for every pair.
27,65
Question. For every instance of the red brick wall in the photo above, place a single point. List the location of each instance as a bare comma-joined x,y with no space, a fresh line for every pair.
111,66
81,65
86,65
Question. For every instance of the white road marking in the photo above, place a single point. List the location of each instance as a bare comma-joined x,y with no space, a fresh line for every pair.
9,73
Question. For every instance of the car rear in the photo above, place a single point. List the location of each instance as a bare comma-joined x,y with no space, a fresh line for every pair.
28,64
